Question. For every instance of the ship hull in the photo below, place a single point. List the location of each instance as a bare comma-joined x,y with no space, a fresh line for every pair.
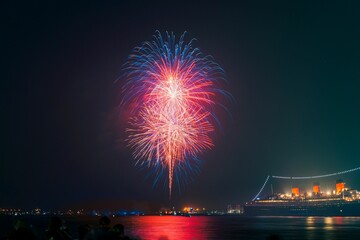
338,208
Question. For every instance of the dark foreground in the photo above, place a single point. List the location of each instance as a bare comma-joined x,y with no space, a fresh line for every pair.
212,227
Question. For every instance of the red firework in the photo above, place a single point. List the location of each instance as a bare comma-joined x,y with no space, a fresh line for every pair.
172,87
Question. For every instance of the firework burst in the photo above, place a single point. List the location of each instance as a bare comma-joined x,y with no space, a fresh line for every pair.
172,89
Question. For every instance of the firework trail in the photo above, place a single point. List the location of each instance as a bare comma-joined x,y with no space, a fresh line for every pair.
171,89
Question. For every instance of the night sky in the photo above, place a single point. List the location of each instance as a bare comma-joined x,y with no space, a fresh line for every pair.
293,69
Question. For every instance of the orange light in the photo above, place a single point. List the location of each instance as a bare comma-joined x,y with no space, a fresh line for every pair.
340,187
295,191
316,189
186,209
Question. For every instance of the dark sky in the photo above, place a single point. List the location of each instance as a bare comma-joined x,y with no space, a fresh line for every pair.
292,67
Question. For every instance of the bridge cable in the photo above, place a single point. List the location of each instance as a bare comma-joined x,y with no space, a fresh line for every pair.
267,179
319,176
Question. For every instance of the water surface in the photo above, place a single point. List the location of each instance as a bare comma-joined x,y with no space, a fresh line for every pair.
215,227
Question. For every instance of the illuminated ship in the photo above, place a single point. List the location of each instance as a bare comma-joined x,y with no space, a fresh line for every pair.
340,202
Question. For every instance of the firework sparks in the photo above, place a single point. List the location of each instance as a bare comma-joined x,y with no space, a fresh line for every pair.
171,88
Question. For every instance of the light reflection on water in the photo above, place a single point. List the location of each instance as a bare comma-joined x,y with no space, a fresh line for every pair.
215,227
332,227
170,227
328,223
239,227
